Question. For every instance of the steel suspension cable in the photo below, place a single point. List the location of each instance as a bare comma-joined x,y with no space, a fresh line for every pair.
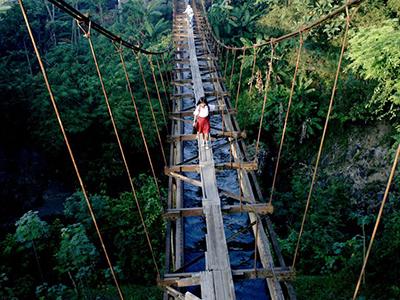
163,84
128,82
226,62
378,219
138,59
166,71
323,136
266,89
287,116
232,69
70,152
88,37
81,17
240,78
150,60
253,68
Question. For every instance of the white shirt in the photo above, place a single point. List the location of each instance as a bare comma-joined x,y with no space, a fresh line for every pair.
203,112
189,11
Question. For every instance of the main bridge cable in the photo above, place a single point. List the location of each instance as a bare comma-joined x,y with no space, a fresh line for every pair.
71,154
138,60
163,84
150,60
120,50
323,135
333,14
287,115
80,17
378,219
88,37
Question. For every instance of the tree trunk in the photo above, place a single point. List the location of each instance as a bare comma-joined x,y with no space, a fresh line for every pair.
28,59
51,13
101,14
37,260
73,283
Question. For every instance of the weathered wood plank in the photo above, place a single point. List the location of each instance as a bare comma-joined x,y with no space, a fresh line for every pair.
220,166
259,208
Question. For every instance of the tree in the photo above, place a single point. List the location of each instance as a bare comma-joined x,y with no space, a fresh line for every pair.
77,255
31,228
374,52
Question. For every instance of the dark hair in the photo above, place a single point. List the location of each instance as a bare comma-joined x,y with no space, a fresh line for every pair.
202,100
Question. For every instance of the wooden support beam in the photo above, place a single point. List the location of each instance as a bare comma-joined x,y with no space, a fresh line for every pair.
279,273
190,81
237,197
185,178
183,69
192,137
248,166
190,279
207,94
259,208
185,113
174,293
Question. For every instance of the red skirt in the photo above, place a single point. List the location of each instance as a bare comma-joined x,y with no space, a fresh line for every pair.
203,125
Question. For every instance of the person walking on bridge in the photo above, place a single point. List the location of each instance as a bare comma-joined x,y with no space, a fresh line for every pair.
202,120
189,12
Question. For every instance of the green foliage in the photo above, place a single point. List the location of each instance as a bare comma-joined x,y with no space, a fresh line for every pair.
123,226
76,254
30,228
375,55
235,22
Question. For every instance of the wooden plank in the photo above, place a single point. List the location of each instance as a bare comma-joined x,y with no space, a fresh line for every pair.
278,272
207,286
207,94
259,208
187,81
218,134
220,166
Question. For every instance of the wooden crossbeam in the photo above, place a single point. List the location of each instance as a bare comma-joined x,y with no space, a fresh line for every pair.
231,195
207,94
248,166
207,69
192,137
186,113
259,208
185,179
185,81
192,278
187,61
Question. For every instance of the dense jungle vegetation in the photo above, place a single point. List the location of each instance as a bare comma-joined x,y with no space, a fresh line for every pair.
363,133
49,248
48,245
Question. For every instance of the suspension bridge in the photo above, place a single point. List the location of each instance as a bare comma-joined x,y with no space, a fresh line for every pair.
207,186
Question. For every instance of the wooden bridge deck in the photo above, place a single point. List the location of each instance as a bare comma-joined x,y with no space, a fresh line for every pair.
194,55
